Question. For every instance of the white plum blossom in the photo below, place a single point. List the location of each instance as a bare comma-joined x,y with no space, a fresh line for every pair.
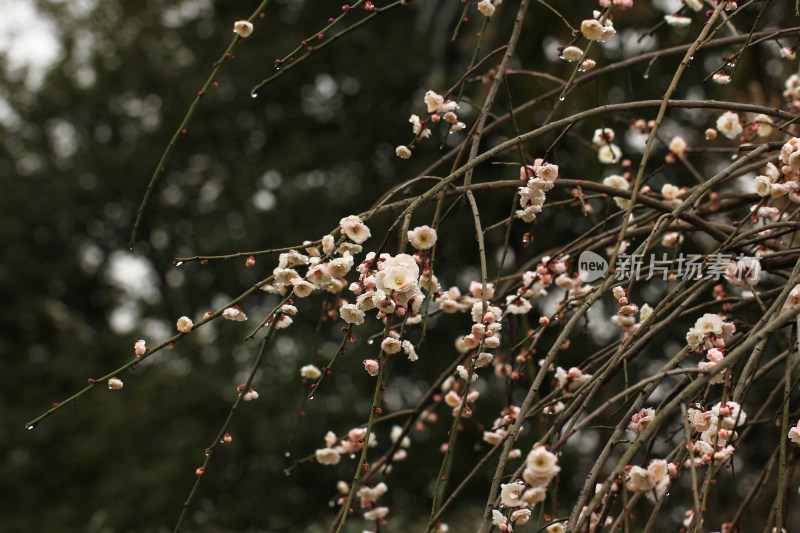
351,314
391,345
572,53
609,153
115,383
709,323
540,466
410,351
250,395
327,456
399,273
416,126
402,152
594,30
310,372
355,229
720,78
302,288
677,20
243,28
618,182
486,7
603,136
677,145
511,494
729,125
422,237
376,513
184,324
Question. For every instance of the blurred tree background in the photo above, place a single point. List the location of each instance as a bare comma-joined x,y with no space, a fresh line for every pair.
81,135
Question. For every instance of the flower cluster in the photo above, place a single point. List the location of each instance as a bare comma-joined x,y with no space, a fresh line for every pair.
607,151
335,447
626,310
541,466
653,481
641,420
709,331
500,425
439,109
716,427
532,196
597,30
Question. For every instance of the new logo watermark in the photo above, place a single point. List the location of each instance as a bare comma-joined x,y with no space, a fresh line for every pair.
591,266
739,269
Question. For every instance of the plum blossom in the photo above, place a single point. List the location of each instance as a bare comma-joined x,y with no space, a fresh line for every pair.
403,151
486,7
327,456
310,372
399,273
594,30
250,395
677,145
376,513
422,237
541,466
794,433
416,126
572,53
390,345
140,348
618,182
351,314
372,366
677,20
729,125
234,313
511,494
115,383
355,229
641,420
609,153
184,324
709,323
243,28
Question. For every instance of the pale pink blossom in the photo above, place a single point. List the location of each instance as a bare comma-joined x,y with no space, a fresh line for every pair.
184,324
422,237
794,433
372,366
355,229
139,348
234,313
